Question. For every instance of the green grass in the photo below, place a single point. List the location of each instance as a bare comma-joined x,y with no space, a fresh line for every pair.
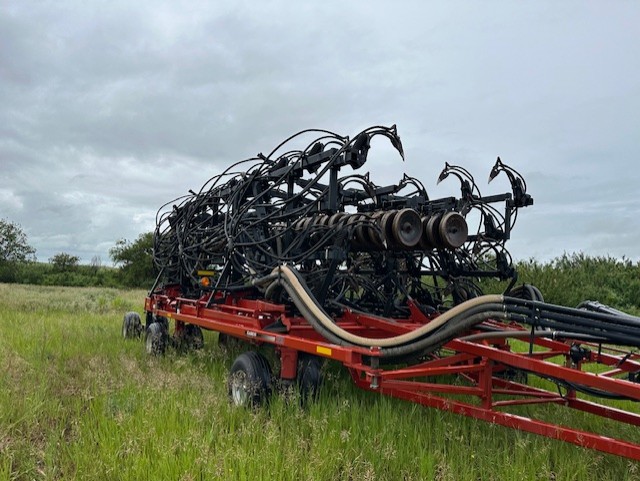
79,402
570,279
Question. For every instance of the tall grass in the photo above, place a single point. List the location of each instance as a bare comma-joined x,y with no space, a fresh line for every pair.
78,402
572,278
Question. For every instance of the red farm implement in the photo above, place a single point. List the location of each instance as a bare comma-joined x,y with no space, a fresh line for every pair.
286,253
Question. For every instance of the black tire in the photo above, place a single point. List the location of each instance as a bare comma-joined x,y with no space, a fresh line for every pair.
309,377
156,339
249,383
528,292
131,326
190,338
512,374
162,321
230,343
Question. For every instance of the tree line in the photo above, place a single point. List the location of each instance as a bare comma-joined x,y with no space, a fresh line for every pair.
132,263
566,280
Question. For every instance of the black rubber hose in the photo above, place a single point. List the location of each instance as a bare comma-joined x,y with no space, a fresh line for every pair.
604,327
430,342
595,306
439,338
574,320
521,334
612,338
294,284
580,313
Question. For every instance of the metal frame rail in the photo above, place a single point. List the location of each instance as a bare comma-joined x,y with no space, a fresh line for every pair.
491,372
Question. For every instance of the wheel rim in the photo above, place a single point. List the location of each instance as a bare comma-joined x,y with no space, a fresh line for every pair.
239,389
149,344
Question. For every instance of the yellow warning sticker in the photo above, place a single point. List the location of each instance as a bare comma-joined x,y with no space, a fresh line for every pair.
323,350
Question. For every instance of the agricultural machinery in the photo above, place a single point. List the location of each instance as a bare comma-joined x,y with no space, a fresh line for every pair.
299,252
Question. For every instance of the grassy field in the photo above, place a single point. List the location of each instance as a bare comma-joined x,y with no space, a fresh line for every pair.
79,402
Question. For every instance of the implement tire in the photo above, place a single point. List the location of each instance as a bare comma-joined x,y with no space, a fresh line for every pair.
131,326
156,339
249,383
309,377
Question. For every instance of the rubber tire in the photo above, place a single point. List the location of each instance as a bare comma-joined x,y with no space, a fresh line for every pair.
230,343
156,339
309,376
162,321
532,293
249,383
513,374
131,326
191,338
194,336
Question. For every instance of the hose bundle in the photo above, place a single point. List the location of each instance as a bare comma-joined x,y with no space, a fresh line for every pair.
603,327
353,242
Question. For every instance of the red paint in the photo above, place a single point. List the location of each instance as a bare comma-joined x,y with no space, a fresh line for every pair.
481,365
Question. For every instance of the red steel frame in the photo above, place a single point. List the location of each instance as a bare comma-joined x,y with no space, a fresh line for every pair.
487,392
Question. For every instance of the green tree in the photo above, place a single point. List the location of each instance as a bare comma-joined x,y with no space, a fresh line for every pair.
96,263
135,260
13,243
14,250
64,262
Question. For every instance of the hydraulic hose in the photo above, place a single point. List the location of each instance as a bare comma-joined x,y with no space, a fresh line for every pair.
449,325
452,329
306,303
520,334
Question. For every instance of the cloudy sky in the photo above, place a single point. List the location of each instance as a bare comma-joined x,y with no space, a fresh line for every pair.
110,109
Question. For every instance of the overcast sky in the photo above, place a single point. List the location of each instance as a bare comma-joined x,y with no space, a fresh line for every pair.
110,109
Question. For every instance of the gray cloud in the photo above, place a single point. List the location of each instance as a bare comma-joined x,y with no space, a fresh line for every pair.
109,111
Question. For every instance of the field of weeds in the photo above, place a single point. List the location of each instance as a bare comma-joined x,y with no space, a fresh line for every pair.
79,402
